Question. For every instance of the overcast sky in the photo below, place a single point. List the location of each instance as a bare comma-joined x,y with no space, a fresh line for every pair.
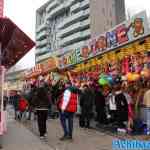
22,12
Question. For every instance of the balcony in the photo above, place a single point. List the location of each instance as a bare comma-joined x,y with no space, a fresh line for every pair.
75,8
76,45
75,37
41,35
41,27
58,10
74,28
75,18
43,57
85,4
51,6
41,51
41,43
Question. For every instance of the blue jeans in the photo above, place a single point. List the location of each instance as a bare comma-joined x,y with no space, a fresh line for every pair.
66,119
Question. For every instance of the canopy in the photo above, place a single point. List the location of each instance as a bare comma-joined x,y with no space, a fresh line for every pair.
14,43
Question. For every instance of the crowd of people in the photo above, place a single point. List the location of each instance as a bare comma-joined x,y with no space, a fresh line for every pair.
118,105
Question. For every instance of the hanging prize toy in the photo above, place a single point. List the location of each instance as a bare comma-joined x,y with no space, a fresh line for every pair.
148,59
139,63
132,65
125,65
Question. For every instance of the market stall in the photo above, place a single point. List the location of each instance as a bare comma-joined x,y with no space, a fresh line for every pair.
123,52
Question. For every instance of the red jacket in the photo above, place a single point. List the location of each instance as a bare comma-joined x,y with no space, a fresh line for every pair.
72,104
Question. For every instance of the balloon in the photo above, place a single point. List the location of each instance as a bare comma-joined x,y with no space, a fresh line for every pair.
103,81
110,80
136,76
124,78
103,76
133,76
145,73
130,76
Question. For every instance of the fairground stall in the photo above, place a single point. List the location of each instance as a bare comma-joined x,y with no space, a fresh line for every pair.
14,44
122,51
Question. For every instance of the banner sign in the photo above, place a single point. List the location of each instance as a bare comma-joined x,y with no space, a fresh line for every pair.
49,64
122,34
1,8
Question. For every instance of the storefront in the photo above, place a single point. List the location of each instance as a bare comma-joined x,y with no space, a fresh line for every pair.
45,71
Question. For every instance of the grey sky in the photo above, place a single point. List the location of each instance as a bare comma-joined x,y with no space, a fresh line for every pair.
22,12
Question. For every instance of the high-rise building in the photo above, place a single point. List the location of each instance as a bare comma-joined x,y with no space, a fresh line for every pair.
62,25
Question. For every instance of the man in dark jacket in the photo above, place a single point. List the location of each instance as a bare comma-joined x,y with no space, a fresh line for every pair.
86,104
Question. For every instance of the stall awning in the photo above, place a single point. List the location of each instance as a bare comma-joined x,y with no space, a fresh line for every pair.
14,43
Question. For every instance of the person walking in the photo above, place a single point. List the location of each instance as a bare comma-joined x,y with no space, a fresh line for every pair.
15,99
40,102
86,104
68,106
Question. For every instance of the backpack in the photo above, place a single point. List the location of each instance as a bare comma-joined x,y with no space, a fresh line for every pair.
23,104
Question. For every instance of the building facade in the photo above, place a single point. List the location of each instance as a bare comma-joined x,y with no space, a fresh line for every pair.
62,25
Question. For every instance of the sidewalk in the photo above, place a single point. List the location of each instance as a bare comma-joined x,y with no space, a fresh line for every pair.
20,138
83,139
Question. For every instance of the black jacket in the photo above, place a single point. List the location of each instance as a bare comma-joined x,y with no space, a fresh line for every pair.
40,98
99,100
87,100
121,102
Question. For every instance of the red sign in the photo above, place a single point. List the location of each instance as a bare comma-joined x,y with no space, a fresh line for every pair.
1,8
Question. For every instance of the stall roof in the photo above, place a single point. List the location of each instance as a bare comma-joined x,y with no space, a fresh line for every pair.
15,43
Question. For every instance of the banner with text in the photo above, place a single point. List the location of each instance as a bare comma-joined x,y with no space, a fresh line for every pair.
122,34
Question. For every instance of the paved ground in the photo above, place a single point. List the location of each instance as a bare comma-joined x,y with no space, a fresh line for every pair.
84,139
26,137
20,138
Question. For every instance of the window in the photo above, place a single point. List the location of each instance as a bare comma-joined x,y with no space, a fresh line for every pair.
103,11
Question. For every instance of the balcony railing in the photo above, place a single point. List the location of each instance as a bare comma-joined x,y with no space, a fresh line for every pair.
41,43
74,28
41,51
75,18
85,4
41,35
52,5
75,7
43,57
75,37
56,11
41,27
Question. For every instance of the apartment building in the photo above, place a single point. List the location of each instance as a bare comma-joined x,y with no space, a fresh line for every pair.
62,25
